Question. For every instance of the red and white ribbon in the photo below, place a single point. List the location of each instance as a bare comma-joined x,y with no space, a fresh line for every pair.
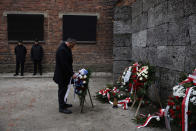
104,91
123,103
148,120
160,114
185,103
191,78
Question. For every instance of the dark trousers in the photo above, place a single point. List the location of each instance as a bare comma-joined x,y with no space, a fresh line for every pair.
37,64
18,64
61,94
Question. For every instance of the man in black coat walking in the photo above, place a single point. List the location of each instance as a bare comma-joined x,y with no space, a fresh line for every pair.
20,52
64,72
36,56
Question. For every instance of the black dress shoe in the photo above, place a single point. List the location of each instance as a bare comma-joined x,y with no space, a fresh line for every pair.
15,74
22,75
65,111
34,73
67,105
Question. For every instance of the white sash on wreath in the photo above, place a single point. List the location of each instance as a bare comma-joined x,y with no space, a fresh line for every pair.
68,89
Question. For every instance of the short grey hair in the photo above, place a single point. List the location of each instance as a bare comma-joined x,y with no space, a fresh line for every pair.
71,40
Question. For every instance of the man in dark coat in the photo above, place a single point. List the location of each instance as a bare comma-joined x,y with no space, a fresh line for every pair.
36,56
64,72
20,52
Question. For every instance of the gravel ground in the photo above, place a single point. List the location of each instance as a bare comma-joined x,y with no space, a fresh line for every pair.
30,104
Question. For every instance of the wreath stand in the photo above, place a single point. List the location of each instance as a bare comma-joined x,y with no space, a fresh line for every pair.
140,103
82,100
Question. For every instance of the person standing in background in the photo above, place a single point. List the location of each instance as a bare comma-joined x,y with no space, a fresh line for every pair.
36,56
20,52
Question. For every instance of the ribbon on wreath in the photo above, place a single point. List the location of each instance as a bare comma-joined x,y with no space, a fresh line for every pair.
147,121
127,75
191,78
104,91
167,118
185,103
68,89
123,103
157,117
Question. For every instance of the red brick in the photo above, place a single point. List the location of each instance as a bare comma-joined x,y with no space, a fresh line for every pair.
99,53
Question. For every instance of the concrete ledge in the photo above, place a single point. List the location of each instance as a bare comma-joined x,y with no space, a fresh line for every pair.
50,75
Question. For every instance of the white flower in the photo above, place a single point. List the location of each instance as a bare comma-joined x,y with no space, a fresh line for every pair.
118,96
193,100
84,82
141,78
85,76
148,115
179,91
158,118
194,93
80,76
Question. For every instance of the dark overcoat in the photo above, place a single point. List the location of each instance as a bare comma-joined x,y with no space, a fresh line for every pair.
20,52
36,52
63,69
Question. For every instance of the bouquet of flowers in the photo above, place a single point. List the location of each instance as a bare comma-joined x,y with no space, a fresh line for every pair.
81,82
133,82
181,106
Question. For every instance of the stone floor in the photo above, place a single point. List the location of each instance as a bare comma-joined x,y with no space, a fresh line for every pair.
30,104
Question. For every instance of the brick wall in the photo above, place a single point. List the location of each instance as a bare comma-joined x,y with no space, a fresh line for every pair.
97,56
161,32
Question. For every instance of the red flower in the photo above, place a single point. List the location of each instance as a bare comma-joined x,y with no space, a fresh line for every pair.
180,116
177,97
134,76
113,94
129,90
170,103
171,98
135,81
177,108
134,70
130,84
171,111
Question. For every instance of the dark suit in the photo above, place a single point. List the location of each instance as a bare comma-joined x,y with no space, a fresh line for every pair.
20,52
36,56
63,71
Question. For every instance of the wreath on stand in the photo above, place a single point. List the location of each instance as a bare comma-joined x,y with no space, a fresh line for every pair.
180,112
81,85
131,87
